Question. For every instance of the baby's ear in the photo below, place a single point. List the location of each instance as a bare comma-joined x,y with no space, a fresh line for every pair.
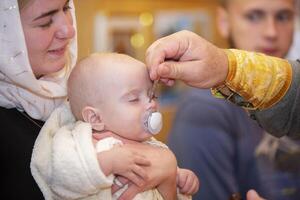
92,116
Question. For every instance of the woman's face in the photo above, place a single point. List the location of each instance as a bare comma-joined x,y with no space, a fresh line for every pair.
48,29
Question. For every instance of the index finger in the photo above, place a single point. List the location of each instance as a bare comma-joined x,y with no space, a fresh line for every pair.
131,192
155,55
167,48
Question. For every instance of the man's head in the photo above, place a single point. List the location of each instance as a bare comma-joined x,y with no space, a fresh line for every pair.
258,25
111,92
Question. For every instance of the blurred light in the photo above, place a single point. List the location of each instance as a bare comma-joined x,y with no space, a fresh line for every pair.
137,40
146,19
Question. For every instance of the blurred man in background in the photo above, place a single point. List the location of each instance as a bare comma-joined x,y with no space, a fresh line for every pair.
228,151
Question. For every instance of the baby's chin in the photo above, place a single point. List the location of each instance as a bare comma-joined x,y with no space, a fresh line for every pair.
143,136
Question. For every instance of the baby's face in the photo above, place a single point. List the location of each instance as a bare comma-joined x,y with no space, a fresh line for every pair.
127,100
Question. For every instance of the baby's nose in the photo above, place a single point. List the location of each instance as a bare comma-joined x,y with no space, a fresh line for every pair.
152,104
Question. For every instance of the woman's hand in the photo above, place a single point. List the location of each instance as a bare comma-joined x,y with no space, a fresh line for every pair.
158,172
124,162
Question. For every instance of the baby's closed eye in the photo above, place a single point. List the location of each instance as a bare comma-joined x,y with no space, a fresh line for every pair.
134,99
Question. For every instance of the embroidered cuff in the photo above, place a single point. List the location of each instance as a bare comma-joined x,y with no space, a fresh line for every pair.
254,80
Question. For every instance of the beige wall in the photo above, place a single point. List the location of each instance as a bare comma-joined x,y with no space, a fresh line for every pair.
87,9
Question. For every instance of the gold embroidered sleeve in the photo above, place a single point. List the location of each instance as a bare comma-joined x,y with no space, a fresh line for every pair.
259,79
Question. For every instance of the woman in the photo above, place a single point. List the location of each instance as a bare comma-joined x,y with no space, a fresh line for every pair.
38,49
34,66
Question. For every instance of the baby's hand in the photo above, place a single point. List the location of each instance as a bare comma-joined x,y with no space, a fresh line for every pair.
124,162
252,195
187,181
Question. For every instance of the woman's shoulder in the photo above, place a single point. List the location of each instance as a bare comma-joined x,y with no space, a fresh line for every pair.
8,115
13,120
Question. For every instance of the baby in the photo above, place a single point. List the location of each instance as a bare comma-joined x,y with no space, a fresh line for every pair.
109,96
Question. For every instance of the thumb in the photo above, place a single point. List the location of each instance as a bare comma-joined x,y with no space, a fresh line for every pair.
186,71
172,70
252,195
130,193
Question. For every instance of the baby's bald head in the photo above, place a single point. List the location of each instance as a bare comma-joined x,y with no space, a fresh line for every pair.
84,85
91,77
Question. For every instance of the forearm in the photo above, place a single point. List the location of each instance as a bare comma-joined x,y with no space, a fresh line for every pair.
168,188
104,162
283,118
268,87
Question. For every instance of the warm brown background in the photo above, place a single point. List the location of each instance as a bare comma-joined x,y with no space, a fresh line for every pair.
86,10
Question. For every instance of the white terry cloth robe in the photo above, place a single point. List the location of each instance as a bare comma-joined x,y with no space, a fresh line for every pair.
64,161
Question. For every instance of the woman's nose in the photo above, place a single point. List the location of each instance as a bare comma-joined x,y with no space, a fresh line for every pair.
65,28
65,32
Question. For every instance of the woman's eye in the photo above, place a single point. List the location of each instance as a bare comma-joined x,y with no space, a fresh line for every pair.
67,8
46,25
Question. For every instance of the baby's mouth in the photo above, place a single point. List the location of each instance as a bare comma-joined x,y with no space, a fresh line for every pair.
152,122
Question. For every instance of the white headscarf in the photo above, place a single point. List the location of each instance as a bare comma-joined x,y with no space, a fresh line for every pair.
19,88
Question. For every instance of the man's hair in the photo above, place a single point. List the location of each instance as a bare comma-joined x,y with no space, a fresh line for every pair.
223,2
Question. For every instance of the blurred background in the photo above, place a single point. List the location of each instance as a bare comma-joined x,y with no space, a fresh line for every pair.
130,26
